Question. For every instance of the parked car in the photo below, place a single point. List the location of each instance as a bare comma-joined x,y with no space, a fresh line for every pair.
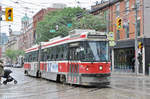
8,65
17,66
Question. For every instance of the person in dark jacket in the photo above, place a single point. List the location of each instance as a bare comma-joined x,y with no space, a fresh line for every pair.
1,70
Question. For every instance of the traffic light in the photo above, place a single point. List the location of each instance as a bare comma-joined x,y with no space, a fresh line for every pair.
9,14
119,23
140,45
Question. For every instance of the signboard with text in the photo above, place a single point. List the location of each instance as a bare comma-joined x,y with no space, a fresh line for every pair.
111,39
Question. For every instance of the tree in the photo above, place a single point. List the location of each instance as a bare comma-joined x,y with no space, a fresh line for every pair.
90,22
60,22
13,54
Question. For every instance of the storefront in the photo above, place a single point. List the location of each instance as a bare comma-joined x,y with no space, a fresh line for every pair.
124,57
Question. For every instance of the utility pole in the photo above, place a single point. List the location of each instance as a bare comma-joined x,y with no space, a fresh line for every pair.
0,25
0,31
0,22
136,42
0,35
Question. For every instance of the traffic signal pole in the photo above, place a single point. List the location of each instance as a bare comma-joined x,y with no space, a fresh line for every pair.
0,34
0,26
136,43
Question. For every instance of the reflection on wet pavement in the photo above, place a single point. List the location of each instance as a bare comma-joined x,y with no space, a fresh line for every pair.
122,87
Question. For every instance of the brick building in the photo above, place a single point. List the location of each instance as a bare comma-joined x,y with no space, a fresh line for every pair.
123,52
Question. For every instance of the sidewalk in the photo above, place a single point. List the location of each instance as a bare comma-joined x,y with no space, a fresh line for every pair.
128,75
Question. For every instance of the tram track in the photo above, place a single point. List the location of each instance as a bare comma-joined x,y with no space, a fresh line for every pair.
86,92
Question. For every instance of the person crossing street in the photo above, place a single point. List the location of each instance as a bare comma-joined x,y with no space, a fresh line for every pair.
1,70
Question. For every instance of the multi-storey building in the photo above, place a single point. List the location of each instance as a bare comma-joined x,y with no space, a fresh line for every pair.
130,12
4,38
25,38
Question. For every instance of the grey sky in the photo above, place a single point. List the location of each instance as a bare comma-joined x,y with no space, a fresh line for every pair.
32,6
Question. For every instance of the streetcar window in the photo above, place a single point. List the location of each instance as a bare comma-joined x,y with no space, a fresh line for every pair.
94,51
53,53
30,58
58,51
57,56
65,53
52,57
48,54
62,56
61,52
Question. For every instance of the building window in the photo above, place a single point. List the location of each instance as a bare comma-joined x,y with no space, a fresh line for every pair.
124,59
138,4
138,27
127,6
127,30
117,10
118,35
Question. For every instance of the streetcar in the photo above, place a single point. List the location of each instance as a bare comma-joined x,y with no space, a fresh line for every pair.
80,58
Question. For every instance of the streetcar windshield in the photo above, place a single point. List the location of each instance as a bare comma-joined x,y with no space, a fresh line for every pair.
94,51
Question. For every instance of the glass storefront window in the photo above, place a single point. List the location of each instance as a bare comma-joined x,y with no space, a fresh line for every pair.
124,59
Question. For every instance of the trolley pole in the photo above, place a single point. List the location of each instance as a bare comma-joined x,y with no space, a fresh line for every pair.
136,42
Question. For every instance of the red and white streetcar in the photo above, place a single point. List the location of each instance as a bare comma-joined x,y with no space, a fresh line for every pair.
80,58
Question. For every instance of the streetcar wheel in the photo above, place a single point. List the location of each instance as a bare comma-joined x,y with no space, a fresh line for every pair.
15,81
38,74
62,78
58,78
26,72
4,82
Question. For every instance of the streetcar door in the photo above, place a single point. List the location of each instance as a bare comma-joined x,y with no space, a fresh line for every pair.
73,65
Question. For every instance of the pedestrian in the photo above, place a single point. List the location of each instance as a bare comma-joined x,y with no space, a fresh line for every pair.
133,64
1,70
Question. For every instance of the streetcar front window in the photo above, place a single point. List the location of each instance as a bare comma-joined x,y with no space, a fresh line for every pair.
94,51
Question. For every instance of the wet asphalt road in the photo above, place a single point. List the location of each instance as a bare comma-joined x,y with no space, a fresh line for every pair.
122,87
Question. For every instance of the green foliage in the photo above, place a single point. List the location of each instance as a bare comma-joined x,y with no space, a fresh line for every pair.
90,22
13,54
62,18
10,53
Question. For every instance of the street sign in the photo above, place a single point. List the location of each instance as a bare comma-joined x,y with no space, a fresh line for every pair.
112,43
52,31
111,39
69,25
111,36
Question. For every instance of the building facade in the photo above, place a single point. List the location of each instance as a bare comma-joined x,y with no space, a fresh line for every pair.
123,53
25,39
4,38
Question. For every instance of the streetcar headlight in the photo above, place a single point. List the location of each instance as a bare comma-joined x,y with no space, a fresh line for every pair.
100,67
109,68
87,69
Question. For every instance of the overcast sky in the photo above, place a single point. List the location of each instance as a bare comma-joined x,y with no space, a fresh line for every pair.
20,7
